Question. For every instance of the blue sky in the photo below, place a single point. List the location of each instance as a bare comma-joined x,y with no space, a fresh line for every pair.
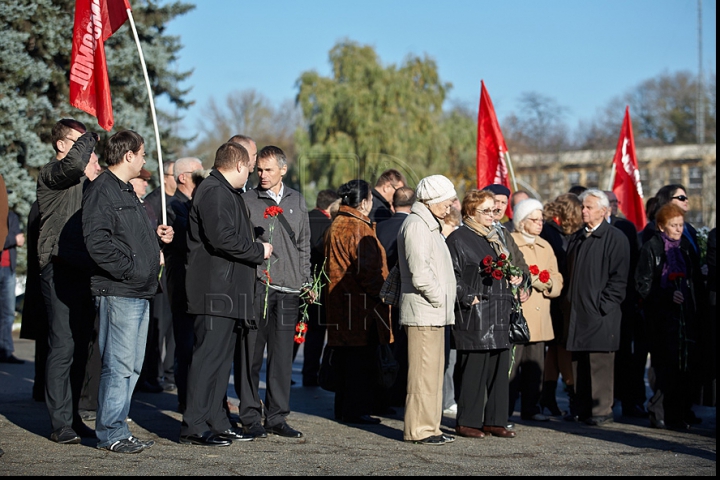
581,53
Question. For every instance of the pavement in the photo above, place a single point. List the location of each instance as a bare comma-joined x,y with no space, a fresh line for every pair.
623,448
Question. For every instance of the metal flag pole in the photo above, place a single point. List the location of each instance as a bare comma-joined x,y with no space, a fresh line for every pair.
511,171
613,172
154,117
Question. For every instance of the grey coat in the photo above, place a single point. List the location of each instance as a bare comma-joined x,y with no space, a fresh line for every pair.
289,265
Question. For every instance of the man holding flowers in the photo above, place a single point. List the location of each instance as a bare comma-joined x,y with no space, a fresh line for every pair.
279,216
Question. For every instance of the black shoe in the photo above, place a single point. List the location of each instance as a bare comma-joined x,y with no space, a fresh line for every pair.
659,424
284,430
256,430
149,387
634,411
65,436
169,387
692,419
599,420
124,446
207,439
12,359
679,425
538,417
362,420
83,430
571,417
432,441
235,435
510,426
143,443
88,415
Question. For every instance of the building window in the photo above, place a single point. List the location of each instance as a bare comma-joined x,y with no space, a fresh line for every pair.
591,179
695,181
574,178
676,175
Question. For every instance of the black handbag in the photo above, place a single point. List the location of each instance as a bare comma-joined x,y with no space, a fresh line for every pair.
329,372
519,331
387,367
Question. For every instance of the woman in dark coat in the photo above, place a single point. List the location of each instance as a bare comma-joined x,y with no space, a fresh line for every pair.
668,280
482,321
563,217
357,319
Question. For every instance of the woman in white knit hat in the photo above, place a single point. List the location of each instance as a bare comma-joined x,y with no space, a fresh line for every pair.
426,307
526,377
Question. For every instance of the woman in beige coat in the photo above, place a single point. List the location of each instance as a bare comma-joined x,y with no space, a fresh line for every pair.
526,377
426,307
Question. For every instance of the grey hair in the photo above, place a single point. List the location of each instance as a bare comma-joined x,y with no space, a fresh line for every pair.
603,200
182,165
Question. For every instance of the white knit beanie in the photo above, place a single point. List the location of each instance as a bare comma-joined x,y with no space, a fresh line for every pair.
523,209
435,189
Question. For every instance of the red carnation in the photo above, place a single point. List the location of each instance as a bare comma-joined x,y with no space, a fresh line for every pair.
301,327
500,263
675,276
273,211
299,339
487,261
534,269
544,276
503,256
497,274
488,270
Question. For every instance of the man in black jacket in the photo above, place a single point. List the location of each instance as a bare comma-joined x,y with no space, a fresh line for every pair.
220,285
65,269
387,183
125,248
598,260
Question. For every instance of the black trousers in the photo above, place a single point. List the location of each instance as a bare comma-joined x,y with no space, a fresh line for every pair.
91,384
276,332
209,375
71,318
631,359
593,373
357,395
671,401
480,374
526,378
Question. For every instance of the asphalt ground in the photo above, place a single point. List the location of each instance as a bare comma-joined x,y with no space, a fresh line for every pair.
626,447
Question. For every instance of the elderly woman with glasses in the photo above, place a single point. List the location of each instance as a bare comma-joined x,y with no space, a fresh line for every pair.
526,376
482,320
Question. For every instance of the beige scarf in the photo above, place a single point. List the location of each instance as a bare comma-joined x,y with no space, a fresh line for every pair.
489,233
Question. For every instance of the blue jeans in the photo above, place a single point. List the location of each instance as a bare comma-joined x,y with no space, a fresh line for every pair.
7,310
122,337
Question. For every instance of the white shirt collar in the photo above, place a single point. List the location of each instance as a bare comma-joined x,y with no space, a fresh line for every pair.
277,197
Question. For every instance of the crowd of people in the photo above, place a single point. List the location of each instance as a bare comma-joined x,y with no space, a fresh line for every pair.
160,294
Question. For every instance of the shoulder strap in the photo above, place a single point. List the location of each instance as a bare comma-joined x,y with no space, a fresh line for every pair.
283,220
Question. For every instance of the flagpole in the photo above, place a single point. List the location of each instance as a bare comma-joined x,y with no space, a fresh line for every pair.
511,171
613,172
154,117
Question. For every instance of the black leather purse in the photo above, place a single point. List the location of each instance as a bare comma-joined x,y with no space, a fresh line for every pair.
519,331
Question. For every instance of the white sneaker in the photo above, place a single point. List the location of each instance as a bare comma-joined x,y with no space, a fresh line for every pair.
451,410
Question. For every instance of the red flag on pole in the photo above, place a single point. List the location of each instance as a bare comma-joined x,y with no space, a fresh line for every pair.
627,186
492,166
95,22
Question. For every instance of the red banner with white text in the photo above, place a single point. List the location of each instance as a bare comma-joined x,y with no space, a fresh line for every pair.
95,22
627,186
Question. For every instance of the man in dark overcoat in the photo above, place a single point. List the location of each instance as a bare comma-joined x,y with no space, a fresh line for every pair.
598,261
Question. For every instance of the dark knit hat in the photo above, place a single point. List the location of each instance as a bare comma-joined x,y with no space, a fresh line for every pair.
498,189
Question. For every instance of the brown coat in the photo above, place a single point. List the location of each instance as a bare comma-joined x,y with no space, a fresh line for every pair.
537,308
357,269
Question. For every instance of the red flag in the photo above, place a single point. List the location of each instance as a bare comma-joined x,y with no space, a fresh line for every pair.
95,22
491,148
627,186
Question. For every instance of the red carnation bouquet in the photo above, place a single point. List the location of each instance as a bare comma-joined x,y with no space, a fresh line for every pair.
310,295
501,268
542,275
270,212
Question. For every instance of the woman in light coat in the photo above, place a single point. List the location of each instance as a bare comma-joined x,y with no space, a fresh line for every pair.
426,307
526,377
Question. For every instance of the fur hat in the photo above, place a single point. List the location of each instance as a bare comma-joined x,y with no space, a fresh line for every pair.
435,189
523,209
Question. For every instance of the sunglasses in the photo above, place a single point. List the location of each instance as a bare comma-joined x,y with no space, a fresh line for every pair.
489,211
682,198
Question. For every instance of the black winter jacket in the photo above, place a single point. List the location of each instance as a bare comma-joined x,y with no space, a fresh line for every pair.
662,315
597,279
485,325
60,189
222,252
120,239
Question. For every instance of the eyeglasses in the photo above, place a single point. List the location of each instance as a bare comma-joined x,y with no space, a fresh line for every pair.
72,140
489,211
682,198
536,220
